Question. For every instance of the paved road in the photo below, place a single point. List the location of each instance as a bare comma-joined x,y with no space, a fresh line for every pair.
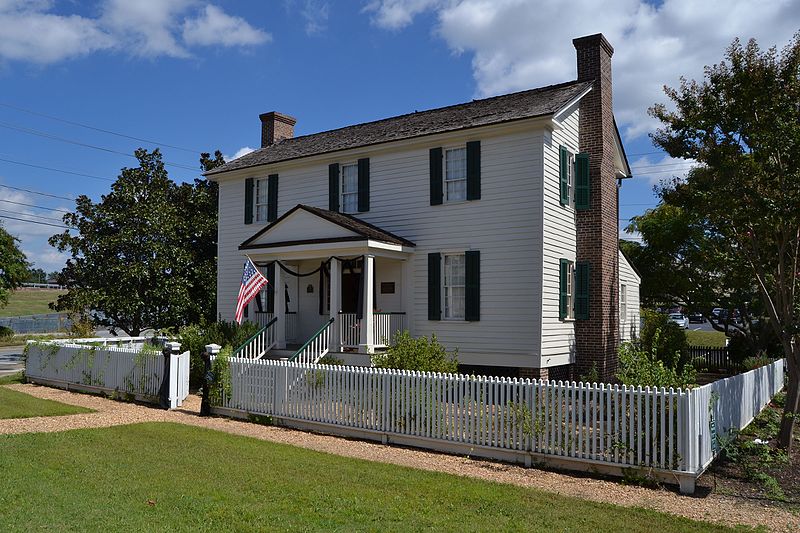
10,360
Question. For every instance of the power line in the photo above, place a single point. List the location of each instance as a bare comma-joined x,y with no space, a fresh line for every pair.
30,215
37,192
55,169
46,135
34,222
35,206
661,165
87,126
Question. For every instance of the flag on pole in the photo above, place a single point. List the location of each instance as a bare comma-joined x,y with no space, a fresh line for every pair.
252,281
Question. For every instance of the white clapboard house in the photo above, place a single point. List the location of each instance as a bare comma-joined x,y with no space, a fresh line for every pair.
491,223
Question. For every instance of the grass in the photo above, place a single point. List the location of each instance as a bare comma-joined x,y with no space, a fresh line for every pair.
174,477
15,404
20,340
30,302
714,339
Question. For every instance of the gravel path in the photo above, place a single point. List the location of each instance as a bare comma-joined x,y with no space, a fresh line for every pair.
713,507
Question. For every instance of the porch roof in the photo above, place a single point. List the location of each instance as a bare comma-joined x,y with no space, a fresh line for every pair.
305,226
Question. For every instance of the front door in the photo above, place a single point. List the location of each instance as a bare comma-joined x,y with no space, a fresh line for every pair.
350,282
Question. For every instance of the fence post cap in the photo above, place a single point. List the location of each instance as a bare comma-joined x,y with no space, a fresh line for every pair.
213,349
174,346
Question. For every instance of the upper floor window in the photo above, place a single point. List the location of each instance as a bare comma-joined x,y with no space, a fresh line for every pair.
261,199
349,200
455,174
570,179
454,286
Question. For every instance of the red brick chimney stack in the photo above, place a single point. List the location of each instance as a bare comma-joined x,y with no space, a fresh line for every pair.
597,339
275,127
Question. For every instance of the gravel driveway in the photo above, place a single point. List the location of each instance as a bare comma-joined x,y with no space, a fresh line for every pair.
712,507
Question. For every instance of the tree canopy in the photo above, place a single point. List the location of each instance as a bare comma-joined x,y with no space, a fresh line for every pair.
741,124
13,265
145,255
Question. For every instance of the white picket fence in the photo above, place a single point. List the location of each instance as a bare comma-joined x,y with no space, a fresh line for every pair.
126,369
595,427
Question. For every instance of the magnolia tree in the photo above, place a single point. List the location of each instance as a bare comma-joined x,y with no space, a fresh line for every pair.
741,124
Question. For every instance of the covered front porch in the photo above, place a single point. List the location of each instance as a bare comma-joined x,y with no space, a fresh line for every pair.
336,285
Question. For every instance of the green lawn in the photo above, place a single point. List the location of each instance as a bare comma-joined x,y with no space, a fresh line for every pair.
172,477
14,404
706,338
30,302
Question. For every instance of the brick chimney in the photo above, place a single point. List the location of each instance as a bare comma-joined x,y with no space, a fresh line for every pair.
275,127
597,339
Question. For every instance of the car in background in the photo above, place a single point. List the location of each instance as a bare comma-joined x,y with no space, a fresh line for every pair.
680,319
716,312
697,318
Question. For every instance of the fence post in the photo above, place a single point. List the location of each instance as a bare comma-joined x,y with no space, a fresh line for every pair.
208,378
171,374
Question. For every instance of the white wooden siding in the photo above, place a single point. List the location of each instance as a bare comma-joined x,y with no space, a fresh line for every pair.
629,324
505,225
559,242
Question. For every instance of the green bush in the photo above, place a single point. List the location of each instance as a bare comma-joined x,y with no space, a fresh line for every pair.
638,366
751,363
6,332
195,337
82,327
664,339
739,349
421,354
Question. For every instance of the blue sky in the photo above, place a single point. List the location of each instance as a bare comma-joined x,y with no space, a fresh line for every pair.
196,75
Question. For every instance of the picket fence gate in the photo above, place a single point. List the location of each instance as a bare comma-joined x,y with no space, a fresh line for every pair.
590,427
91,365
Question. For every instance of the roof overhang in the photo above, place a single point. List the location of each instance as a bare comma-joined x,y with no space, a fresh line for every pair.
621,166
312,232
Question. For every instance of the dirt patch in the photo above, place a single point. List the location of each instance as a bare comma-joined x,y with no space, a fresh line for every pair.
707,505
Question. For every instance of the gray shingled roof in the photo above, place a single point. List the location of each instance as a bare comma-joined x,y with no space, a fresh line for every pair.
515,106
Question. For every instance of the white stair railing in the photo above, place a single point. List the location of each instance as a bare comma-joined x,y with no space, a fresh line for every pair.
386,326
316,347
259,344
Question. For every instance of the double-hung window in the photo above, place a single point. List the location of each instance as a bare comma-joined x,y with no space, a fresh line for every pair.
570,179
454,286
455,174
261,200
570,290
349,188
623,303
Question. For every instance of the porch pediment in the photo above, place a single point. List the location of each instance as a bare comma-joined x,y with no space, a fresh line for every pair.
305,225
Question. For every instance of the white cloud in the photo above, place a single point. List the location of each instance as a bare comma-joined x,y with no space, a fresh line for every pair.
33,237
244,150
666,168
144,28
517,44
214,26
316,16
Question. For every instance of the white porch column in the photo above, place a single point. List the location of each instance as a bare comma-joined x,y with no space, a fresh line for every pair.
336,302
280,307
368,324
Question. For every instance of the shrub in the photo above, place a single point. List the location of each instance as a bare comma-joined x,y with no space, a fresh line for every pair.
739,349
6,332
421,354
751,363
664,339
638,366
81,327
195,337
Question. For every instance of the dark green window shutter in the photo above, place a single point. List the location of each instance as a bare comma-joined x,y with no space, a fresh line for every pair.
582,184
272,198
564,174
248,201
582,290
474,170
472,286
563,296
270,288
436,176
434,286
363,185
333,186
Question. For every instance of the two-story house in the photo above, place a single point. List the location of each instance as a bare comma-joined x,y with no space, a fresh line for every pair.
492,223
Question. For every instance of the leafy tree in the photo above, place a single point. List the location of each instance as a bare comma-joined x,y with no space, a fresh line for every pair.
13,265
145,255
36,275
742,125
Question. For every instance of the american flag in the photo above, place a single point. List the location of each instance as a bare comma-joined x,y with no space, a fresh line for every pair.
252,281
